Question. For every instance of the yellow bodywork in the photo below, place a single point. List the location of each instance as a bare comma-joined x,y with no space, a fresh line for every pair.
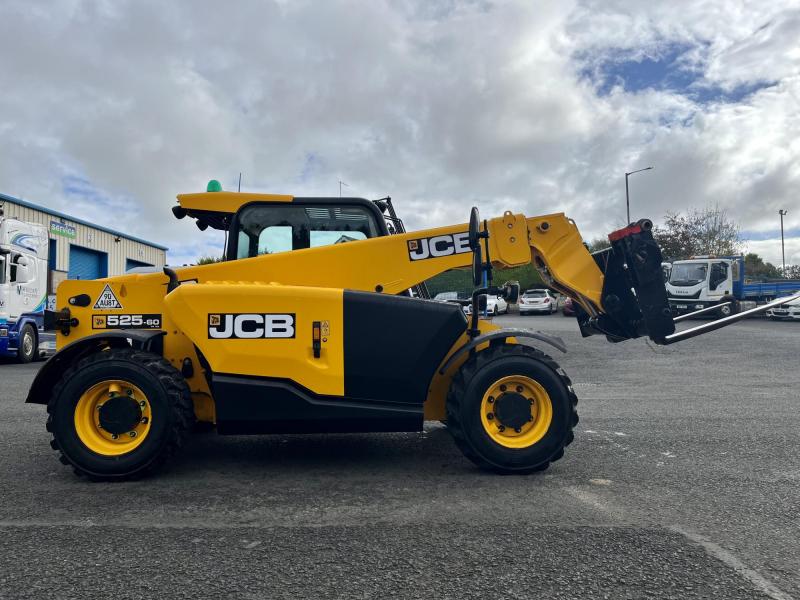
309,283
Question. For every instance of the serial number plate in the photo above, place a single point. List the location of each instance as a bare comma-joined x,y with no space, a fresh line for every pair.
126,321
681,306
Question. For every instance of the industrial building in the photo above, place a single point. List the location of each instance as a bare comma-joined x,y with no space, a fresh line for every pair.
82,250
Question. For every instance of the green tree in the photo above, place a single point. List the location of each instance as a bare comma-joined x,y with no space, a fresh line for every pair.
460,280
207,260
756,268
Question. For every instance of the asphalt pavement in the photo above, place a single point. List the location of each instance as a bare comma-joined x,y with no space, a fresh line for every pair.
683,482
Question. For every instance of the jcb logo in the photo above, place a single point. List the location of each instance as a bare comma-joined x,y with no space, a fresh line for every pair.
250,326
438,246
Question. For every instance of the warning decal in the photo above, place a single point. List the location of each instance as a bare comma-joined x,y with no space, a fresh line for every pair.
107,300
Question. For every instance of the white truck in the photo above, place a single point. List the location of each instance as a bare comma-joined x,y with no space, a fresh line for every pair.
23,289
705,281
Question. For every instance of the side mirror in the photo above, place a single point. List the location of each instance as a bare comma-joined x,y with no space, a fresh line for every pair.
22,261
477,266
474,228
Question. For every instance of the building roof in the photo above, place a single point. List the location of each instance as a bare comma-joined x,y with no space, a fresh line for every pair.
60,215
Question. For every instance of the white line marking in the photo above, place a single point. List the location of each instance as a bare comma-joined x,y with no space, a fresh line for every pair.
597,503
760,582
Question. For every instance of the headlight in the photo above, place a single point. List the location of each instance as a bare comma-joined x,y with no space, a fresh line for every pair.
3,332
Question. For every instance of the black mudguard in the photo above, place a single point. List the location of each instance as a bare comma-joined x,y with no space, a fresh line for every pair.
55,366
522,335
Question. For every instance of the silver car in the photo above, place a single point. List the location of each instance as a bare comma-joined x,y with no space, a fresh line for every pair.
537,301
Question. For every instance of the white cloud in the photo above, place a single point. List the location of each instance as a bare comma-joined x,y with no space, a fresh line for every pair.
442,105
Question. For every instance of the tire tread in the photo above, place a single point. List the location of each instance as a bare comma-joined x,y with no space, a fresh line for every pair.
458,390
178,394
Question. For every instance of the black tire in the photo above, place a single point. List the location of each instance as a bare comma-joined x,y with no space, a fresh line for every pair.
170,404
28,348
464,403
731,309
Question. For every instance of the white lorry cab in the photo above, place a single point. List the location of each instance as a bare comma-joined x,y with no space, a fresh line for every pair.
23,288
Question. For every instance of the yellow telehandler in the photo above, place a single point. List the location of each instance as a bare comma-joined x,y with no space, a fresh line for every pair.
318,321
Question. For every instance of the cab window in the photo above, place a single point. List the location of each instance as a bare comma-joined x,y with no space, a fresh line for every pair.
268,229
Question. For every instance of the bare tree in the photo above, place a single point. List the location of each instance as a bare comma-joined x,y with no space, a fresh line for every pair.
705,231
596,244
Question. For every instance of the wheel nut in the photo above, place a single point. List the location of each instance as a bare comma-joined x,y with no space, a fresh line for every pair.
491,399
518,429
110,394
502,428
144,420
490,416
519,389
142,403
503,388
129,392
132,434
114,436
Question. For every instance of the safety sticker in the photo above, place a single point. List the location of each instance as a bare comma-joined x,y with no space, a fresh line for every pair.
107,300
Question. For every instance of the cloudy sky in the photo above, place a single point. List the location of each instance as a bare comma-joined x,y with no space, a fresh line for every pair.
110,109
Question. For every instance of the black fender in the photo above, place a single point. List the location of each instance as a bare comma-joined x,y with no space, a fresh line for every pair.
500,336
55,366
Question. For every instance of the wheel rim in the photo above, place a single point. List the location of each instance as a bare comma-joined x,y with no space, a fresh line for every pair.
27,344
506,429
119,432
726,310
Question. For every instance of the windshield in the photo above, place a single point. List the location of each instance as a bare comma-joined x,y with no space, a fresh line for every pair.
267,228
688,273
534,294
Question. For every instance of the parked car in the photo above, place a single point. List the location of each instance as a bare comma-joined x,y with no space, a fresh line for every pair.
537,301
451,296
495,305
789,311
568,309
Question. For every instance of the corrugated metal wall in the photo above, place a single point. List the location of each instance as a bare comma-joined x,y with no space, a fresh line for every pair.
88,237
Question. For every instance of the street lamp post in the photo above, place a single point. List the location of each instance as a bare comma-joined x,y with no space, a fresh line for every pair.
627,194
782,212
341,183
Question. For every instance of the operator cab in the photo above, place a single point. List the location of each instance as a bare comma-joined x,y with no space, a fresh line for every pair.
257,224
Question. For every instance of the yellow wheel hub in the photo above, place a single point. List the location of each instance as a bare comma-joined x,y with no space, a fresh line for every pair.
112,417
516,411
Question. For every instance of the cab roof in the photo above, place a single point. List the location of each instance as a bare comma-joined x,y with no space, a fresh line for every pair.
226,202
216,208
